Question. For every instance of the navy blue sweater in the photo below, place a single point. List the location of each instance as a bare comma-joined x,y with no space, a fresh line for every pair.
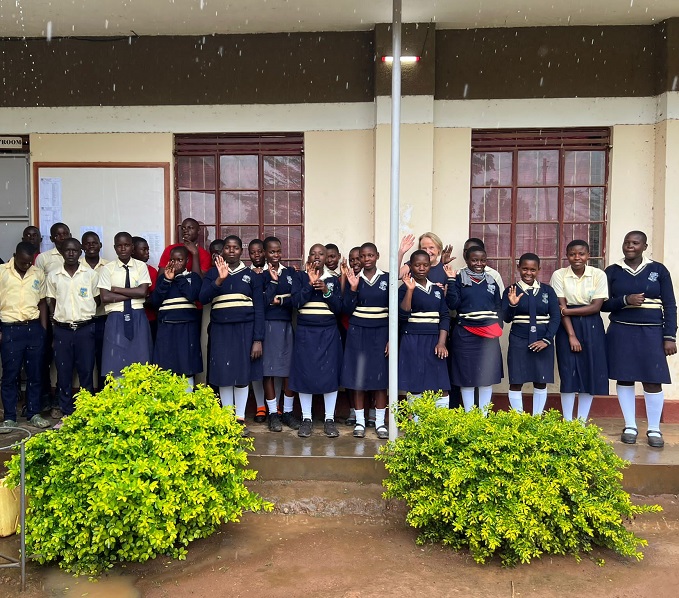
240,298
659,307
176,299
477,305
313,309
547,311
428,314
368,305
281,288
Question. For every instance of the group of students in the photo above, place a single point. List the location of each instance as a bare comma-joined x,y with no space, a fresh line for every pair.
340,308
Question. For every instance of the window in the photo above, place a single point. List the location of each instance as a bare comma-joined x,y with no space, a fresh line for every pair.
245,185
535,191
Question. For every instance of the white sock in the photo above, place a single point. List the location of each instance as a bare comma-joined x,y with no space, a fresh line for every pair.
539,400
627,402
258,391
288,402
567,405
485,395
380,414
240,396
516,400
305,400
467,397
654,404
371,415
277,387
330,399
272,406
189,384
443,403
584,405
226,395
360,417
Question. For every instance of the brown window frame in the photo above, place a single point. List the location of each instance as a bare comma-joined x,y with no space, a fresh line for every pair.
562,140
263,145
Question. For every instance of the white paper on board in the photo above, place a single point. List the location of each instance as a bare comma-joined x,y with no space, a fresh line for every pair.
49,201
156,241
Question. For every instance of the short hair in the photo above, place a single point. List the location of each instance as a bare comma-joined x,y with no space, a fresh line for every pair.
137,240
578,243
256,242
529,257
270,240
189,219
235,238
89,233
476,241
474,249
434,237
122,234
419,252
330,246
31,227
216,242
26,248
55,226
181,249
367,245
639,234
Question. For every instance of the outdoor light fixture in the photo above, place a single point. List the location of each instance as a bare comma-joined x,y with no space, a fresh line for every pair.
404,59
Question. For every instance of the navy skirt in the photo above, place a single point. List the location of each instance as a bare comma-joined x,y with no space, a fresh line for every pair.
418,367
118,351
636,354
316,359
178,348
477,361
525,365
586,371
365,366
277,350
229,361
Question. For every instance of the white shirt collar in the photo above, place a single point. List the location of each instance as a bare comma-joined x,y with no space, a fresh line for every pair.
426,288
525,287
327,273
238,268
372,280
644,262
281,267
570,274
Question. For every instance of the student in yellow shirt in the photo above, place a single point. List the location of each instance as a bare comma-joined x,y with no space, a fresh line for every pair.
23,318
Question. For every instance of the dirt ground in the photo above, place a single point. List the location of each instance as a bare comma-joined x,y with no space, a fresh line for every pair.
346,542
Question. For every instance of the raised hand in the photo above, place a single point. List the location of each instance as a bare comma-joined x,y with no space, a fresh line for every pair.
512,296
222,268
352,279
169,271
449,270
273,273
313,273
406,245
409,281
446,256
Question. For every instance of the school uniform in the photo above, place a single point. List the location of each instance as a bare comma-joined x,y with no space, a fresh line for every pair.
536,317
278,334
49,261
99,324
635,336
419,369
317,351
74,330
177,346
119,351
365,366
585,371
477,360
236,321
437,274
23,337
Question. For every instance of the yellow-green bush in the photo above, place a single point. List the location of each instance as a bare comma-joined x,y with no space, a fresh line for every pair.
139,470
509,485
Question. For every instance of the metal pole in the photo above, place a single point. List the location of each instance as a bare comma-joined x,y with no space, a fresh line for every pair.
22,514
394,214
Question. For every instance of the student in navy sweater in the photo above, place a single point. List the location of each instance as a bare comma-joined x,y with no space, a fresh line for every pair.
533,309
366,366
425,321
236,325
278,336
258,266
641,335
317,353
477,359
177,345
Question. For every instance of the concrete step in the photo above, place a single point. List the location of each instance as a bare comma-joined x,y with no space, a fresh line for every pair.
284,456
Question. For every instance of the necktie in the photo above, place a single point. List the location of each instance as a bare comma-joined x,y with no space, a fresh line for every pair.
128,324
532,317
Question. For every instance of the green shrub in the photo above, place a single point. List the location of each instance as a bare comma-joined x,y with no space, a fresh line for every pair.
138,470
509,485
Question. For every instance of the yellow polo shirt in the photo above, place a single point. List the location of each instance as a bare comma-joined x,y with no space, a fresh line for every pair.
19,297
593,284
73,295
101,309
113,275
49,261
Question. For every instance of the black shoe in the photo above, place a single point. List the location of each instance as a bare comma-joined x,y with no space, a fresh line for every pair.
370,423
629,437
350,421
244,432
655,441
290,420
330,429
260,415
275,423
305,428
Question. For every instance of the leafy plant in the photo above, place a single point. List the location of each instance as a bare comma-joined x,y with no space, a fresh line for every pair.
509,484
139,470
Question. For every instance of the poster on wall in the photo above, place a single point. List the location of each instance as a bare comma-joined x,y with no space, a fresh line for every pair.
50,208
